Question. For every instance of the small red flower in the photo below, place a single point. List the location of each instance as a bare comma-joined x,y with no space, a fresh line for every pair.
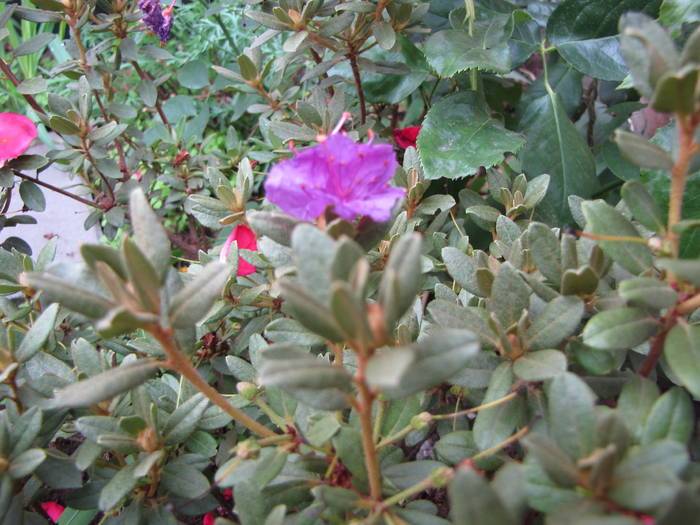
228,494
245,237
16,134
405,137
53,510
209,519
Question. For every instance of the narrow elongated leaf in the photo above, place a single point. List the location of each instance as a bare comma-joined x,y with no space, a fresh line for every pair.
68,294
37,336
149,233
105,385
197,297
26,462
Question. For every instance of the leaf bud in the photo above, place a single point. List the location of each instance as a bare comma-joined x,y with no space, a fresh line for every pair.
441,477
247,390
248,449
422,420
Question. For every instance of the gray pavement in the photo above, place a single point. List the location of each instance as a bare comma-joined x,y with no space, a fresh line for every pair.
63,217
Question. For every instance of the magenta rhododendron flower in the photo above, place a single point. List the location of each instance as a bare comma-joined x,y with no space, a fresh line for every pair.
406,137
352,178
16,134
157,19
246,240
53,510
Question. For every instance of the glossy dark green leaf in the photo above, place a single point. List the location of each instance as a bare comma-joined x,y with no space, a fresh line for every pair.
554,146
452,51
459,135
585,34
32,196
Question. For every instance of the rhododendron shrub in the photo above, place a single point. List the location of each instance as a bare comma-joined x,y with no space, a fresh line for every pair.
420,262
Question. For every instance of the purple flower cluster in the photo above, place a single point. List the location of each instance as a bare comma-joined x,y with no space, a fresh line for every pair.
158,20
352,178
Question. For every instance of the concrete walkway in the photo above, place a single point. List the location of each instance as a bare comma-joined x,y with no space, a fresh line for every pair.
63,217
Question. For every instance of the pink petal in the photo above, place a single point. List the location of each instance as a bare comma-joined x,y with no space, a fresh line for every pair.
53,510
208,519
246,240
16,134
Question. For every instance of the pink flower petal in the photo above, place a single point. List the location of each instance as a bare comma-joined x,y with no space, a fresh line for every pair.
246,240
208,519
16,134
53,510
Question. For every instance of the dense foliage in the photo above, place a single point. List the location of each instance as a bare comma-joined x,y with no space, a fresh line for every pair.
385,261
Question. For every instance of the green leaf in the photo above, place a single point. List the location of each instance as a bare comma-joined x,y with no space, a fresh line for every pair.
510,295
68,294
26,462
32,86
149,234
462,268
402,277
182,422
401,476
646,478
33,45
603,219
63,125
25,430
207,210
313,252
32,196
474,501
643,152
349,312
118,487
451,51
193,302
635,401
433,360
310,312
585,34
494,425
558,320
194,74
277,226
686,269
142,276
259,471
384,34
105,385
643,206
671,417
619,328
37,335
459,135
682,352
322,428
675,13
184,480
540,365
554,146
571,417
648,292
285,330
553,460
545,250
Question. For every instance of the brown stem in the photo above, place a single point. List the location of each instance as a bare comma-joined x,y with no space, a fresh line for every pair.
117,142
378,11
105,182
368,444
180,363
679,172
159,108
55,188
656,349
73,24
15,82
358,83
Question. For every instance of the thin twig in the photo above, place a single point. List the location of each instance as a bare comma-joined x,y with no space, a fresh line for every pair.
358,83
56,189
